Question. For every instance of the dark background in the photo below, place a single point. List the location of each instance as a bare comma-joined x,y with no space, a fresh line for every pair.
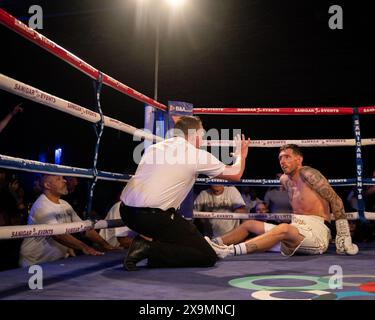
227,53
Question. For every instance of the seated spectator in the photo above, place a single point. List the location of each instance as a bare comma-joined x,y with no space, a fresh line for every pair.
277,199
250,197
261,208
77,195
369,196
18,193
117,237
352,200
34,193
11,197
50,209
9,215
219,198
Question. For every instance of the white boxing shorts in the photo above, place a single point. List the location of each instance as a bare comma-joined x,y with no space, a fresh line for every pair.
317,235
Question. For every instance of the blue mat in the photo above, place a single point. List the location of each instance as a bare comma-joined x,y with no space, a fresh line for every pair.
257,276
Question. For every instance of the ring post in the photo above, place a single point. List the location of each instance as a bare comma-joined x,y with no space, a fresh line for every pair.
359,164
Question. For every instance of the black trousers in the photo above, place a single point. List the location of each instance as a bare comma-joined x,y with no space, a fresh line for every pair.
176,242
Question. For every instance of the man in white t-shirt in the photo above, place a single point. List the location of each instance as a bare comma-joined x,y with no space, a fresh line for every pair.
117,237
50,209
165,175
219,198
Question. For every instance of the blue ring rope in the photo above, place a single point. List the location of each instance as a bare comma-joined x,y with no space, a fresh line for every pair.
49,168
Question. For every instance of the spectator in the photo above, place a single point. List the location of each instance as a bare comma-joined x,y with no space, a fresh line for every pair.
18,193
50,209
5,121
250,197
8,202
34,192
9,215
261,208
219,198
369,196
77,195
352,200
277,199
117,237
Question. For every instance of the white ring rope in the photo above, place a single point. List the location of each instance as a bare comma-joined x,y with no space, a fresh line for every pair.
43,230
272,182
47,230
301,143
268,216
34,94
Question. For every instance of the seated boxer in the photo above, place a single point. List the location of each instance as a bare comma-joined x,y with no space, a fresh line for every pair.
312,200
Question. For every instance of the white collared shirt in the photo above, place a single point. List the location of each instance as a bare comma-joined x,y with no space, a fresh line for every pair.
167,172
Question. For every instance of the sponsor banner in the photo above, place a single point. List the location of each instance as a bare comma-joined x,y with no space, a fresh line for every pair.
366,110
265,217
278,143
47,230
276,111
43,230
176,110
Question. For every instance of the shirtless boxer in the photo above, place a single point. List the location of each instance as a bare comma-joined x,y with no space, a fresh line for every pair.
312,199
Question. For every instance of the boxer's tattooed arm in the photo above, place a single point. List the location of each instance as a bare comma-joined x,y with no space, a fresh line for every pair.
321,186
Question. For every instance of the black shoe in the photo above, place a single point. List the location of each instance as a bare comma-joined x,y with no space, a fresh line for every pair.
139,250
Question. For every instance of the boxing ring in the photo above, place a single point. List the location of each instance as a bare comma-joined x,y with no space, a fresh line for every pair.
256,276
